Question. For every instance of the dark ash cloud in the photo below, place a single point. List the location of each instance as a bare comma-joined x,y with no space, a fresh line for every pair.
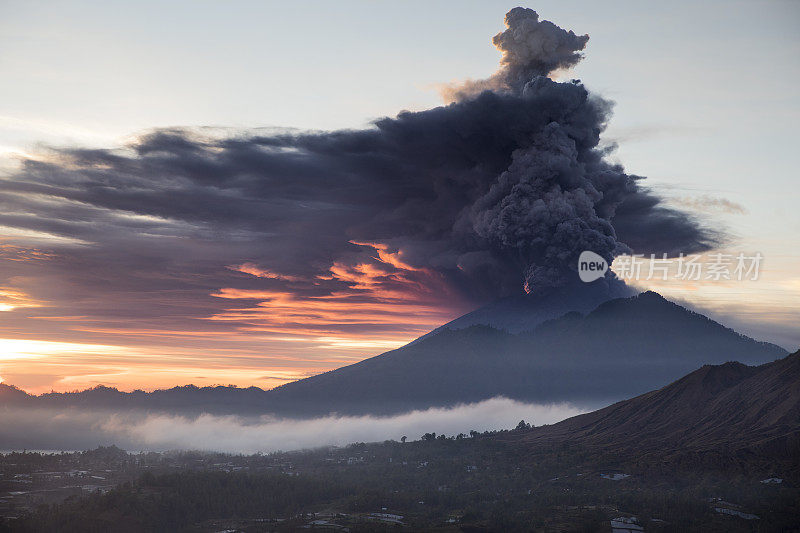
499,190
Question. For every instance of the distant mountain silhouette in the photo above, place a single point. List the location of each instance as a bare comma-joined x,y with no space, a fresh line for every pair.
623,348
188,399
9,395
731,408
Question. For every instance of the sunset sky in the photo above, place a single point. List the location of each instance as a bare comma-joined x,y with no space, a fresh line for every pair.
108,277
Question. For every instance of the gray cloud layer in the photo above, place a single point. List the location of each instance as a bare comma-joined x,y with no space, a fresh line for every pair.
79,429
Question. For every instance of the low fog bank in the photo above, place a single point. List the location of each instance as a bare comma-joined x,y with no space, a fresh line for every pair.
73,429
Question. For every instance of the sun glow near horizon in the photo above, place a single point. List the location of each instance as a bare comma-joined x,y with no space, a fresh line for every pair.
37,366
25,348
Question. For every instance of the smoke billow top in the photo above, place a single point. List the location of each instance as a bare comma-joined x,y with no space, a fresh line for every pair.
530,48
498,190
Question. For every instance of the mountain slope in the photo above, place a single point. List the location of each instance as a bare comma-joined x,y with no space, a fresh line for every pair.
729,407
623,348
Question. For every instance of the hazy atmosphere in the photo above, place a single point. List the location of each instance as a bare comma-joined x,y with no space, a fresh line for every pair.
412,266
78,430
252,209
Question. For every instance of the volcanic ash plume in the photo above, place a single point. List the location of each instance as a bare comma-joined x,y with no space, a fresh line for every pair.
530,48
499,190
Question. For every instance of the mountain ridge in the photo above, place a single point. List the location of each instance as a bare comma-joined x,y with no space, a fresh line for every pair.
730,407
622,348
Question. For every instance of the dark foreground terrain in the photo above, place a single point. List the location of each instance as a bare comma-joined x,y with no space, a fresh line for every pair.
718,450
485,482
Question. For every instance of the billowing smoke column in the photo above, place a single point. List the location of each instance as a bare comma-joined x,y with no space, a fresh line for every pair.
499,190
546,204
557,197
530,48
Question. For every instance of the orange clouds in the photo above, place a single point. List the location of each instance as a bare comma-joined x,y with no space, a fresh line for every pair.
385,256
255,270
11,299
381,299
321,313
12,252
141,369
263,327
